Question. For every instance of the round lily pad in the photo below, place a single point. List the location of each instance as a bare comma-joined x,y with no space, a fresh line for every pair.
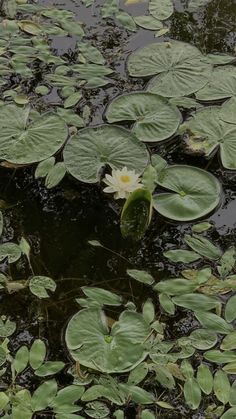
93,148
221,85
193,193
155,119
119,349
24,140
207,130
181,68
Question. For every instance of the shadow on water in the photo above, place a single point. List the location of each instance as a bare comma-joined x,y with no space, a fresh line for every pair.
59,223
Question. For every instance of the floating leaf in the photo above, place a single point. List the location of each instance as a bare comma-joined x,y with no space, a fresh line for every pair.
30,27
40,284
126,20
182,58
227,262
136,214
93,148
155,119
103,297
149,178
148,22
221,85
97,410
140,276
89,341
55,175
73,99
24,141
196,302
147,414
201,227
205,379
37,354
193,193
138,374
44,167
21,359
166,303
230,309
202,246
164,377
221,386
10,251
229,414
212,134
49,368
176,286
161,9
230,368
229,342
149,311
192,393
179,255
203,339
43,395
7,327
213,322
219,357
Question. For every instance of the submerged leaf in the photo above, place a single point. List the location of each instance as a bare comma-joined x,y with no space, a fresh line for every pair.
136,214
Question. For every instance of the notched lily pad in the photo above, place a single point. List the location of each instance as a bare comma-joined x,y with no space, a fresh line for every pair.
94,345
25,140
155,119
181,68
93,148
193,193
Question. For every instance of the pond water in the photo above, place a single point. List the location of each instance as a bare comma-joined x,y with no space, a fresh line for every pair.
58,223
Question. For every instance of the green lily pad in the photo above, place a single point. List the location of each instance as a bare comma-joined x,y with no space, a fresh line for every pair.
155,119
181,68
93,148
193,193
211,132
93,345
25,141
221,85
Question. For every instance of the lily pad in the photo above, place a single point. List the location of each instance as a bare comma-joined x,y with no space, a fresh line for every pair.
193,193
221,85
211,133
94,345
155,119
93,148
181,68
25,141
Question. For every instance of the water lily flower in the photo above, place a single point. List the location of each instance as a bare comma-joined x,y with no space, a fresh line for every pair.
122,183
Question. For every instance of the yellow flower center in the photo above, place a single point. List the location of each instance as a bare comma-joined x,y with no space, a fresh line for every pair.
125,178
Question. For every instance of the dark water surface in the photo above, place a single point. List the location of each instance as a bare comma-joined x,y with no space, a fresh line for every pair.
59,223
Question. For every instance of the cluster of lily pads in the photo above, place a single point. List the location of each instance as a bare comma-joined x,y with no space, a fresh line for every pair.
180,71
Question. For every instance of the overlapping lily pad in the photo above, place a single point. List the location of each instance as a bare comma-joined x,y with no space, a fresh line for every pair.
25,141
221,85
93,345
93,148
181,68
155,119
207,131
193,193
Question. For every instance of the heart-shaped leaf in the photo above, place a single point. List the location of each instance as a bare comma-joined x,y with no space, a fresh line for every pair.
92,344
155,119
25,141
193,193
181,68
93,148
